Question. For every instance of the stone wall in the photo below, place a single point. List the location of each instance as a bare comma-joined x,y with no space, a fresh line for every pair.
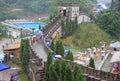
91,74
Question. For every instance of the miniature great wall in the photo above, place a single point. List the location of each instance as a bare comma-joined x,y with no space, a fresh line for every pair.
38,65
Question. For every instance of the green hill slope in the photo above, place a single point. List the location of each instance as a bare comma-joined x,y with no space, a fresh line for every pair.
88,35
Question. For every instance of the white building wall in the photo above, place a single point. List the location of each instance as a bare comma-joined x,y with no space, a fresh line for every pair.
75,12
13,32
83,18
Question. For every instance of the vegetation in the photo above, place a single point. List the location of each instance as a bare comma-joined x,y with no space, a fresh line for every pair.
49,62
52,45
61,71
68,73
69,27
109,21
22,76
24,54
11,9
115,5
92,64
87,35
3,30
77,74
59,49
69,56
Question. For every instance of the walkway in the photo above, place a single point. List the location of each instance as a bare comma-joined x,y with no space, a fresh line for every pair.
39,50
103,64
106,65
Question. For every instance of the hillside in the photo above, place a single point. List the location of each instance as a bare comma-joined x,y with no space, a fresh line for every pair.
87,35
11,9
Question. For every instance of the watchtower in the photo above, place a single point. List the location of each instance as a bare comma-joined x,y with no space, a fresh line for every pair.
69,9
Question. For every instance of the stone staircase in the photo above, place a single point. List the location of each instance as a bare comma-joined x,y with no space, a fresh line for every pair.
52,26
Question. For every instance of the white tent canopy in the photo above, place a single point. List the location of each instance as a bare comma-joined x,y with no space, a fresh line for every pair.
115,45
58,56
2,57
115,57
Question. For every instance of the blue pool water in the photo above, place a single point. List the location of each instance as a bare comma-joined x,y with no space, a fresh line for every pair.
28,25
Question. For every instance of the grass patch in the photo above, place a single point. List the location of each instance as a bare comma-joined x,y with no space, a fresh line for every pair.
88,35
22,76
17,62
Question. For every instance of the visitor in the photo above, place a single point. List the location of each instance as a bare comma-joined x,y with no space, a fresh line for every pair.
3,47
48,44
102,56
11,56
11,79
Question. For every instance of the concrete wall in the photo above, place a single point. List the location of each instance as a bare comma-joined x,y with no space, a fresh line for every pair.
83,18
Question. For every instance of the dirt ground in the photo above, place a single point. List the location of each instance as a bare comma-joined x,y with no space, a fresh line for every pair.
5,75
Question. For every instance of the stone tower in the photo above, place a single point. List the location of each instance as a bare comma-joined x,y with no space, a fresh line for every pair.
69,9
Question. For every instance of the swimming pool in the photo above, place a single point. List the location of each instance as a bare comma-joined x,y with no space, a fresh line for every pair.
28,25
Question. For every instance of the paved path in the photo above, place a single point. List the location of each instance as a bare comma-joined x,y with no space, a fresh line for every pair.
107,66
39,50
103,64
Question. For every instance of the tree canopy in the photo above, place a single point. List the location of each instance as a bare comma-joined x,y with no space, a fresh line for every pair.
109,21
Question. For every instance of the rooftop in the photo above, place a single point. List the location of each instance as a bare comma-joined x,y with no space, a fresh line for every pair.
14,45
68,4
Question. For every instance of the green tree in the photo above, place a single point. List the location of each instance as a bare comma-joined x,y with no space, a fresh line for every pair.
61,50
21,49
69,56
3,30
63,28
76,23
49,62
109,21
62,70
52,45
68,74
49,58
77,74
92,64
69,27
53,75
57,68
27,52
24,54
57,46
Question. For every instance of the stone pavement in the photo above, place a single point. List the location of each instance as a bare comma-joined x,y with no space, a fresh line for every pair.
106,65
103,64
39,50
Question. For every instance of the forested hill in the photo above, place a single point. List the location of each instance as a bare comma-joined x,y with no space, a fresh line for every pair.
23,7
37,6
